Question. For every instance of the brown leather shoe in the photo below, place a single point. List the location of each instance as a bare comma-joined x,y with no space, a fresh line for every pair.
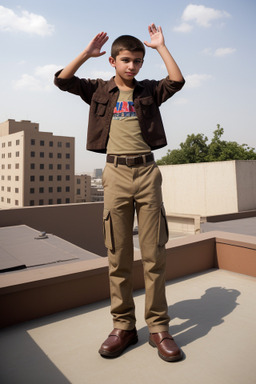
168,350
117,342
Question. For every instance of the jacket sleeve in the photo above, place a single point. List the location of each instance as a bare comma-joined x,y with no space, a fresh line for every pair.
165,88
81,87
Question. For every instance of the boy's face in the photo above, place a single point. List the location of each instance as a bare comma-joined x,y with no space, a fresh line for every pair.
127,64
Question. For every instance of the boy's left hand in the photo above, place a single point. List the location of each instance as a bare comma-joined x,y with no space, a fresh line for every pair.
156,35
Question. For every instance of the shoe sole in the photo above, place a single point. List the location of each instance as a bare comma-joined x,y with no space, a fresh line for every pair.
120,351
165,358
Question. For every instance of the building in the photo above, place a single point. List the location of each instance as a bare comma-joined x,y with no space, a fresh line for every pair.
36,168
82,188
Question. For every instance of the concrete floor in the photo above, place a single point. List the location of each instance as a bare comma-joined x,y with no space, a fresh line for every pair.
213,321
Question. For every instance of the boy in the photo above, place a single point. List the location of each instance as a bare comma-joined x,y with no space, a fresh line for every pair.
125,123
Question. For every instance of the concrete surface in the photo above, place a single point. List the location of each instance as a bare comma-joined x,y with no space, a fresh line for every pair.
213,321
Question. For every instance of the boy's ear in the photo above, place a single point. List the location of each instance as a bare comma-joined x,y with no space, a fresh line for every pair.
112,61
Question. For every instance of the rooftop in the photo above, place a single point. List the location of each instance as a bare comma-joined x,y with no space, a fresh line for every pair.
54,318
213,321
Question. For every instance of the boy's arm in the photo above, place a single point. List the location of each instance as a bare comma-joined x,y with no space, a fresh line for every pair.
93,49
157,42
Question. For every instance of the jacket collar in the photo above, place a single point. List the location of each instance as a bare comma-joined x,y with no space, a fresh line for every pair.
112,85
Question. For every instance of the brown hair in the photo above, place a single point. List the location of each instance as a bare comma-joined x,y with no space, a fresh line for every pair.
127,42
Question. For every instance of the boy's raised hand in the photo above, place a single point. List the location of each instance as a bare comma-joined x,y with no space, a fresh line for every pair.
93,49
156,36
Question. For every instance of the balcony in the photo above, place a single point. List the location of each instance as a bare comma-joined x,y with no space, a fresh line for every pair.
54,317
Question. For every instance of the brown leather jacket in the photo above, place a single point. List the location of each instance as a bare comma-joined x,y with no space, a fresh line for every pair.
102,96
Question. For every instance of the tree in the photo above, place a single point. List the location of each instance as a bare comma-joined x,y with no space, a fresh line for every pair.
196,150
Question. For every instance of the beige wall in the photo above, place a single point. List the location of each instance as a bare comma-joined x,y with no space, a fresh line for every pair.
209,188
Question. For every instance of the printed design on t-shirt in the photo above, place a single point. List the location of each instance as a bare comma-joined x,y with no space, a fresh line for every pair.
124,109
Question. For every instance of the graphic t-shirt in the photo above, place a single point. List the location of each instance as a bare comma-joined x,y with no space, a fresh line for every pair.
125,134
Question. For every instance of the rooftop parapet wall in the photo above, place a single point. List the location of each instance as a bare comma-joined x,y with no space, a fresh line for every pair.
208,189
26,295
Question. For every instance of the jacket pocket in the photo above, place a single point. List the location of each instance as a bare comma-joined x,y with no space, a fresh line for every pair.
163,230
108,230
99,105
148,107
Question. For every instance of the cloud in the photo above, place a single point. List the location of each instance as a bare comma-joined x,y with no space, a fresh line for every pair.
196,80
26,22
199,15
105,75
219,52
40,80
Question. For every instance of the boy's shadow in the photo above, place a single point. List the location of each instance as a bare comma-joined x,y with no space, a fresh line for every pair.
202,314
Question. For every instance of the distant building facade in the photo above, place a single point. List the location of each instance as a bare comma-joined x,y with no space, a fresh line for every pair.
82,188
36,168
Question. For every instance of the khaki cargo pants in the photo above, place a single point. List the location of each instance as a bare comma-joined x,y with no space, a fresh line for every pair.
126,189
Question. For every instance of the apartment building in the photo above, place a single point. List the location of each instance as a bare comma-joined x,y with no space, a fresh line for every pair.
82,188
36,168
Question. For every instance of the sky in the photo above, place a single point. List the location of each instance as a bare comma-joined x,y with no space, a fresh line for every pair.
213,42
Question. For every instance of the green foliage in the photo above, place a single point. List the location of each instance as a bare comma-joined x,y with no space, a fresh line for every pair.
196,150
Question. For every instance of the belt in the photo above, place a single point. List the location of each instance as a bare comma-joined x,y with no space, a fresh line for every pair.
130,161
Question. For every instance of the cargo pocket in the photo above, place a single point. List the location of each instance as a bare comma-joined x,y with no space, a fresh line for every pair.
163,231
107,230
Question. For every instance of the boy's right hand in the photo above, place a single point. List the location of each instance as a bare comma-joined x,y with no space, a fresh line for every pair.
93,49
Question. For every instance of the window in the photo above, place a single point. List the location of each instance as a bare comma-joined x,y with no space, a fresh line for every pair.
58,189
41,154
59,177
59,144
41,190
41,143
41,166
9,166
67,155
50,178
2,188
50,189
41,178
16,202
17,166
50,201
17,178
32,202
9,143
50,155
32,178
67,166
58,166
2,177
50,143
32,154
67,200
9,177
3,155
9,201
16,190
2,199
3,145
9,155
17,154
32,166
59,155
67,145
8,189
78,192
58,201
67,189
67,177
41,202
17,142
50,166
32,190
32,141
78,181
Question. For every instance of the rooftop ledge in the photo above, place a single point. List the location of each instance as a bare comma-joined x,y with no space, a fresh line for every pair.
31,294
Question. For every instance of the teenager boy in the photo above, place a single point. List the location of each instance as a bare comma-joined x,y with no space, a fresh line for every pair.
125,123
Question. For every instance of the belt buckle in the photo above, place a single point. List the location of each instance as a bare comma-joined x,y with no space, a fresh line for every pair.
129,161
